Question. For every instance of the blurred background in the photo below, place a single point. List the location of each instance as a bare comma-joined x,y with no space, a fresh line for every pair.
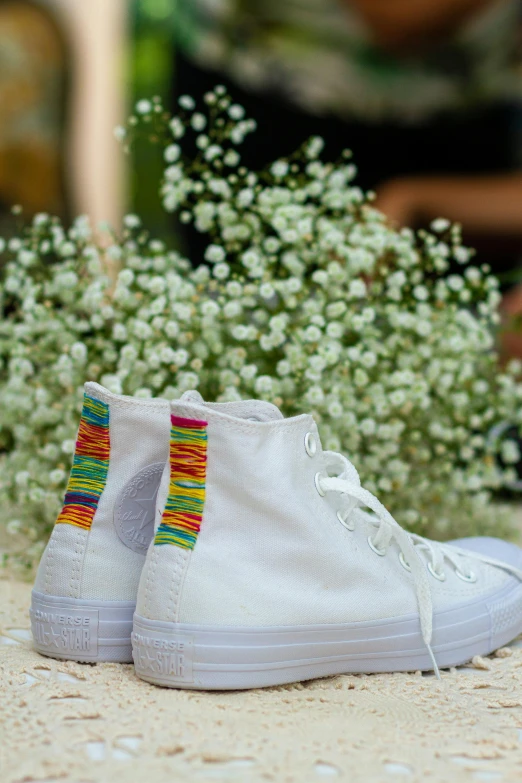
428,95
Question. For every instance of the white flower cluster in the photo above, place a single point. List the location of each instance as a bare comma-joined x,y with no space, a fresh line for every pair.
307,298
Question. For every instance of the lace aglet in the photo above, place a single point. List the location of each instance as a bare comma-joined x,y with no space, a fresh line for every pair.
434,662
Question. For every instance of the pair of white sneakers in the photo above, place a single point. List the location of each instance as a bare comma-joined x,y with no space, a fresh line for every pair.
220,547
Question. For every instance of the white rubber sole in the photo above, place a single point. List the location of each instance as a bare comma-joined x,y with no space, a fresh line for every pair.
178,655
78,630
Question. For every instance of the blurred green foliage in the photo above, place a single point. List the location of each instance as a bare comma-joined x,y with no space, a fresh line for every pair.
151,73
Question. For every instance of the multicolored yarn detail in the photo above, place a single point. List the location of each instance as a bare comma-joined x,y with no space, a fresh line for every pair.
188,470
90,465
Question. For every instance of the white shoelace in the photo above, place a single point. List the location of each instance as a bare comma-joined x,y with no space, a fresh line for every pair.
347,483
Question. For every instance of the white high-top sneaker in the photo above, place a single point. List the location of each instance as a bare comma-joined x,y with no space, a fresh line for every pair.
85,590
265,570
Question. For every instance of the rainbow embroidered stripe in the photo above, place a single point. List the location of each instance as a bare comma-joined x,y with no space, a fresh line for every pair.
90,465
188,469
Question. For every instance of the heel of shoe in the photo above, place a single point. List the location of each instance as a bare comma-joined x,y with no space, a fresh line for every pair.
79,630
162,654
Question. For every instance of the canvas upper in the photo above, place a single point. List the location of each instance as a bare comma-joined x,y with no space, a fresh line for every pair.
263,529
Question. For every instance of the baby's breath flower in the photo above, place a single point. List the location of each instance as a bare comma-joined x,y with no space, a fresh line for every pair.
177,128
461,254
314,147
245,197
79,352
421,293
264,384
68,446
22,478
215,254
67,249
143,393
357,289
131,221
368,427
143,107
439,225
213,151
202,141
14,527
312,334
114,252
198,121
279,169
221,271
455,282
187,102
231,158
172,153
236,112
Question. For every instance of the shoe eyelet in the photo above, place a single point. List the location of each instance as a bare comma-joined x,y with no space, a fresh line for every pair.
380,552
470,578
403,562
440,576
317,479
310,444
344,522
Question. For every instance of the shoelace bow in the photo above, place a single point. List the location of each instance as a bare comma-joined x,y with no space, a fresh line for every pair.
347,482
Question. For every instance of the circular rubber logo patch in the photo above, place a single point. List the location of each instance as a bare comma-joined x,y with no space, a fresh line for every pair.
136,508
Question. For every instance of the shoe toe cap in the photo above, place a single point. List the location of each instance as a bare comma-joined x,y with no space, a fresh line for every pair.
497,548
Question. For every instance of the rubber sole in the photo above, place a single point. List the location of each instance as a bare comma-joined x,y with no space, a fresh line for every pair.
79,630
178,655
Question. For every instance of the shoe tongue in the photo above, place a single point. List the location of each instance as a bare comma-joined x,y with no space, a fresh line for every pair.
253,410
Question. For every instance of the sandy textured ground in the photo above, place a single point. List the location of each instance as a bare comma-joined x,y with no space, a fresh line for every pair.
82,723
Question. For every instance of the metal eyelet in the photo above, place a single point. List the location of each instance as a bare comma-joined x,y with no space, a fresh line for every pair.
471,577
441,577
317,480
403,562
344,522
380,552
310,444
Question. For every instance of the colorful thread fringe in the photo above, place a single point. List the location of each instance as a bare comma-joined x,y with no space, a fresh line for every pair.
90,465
188,469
